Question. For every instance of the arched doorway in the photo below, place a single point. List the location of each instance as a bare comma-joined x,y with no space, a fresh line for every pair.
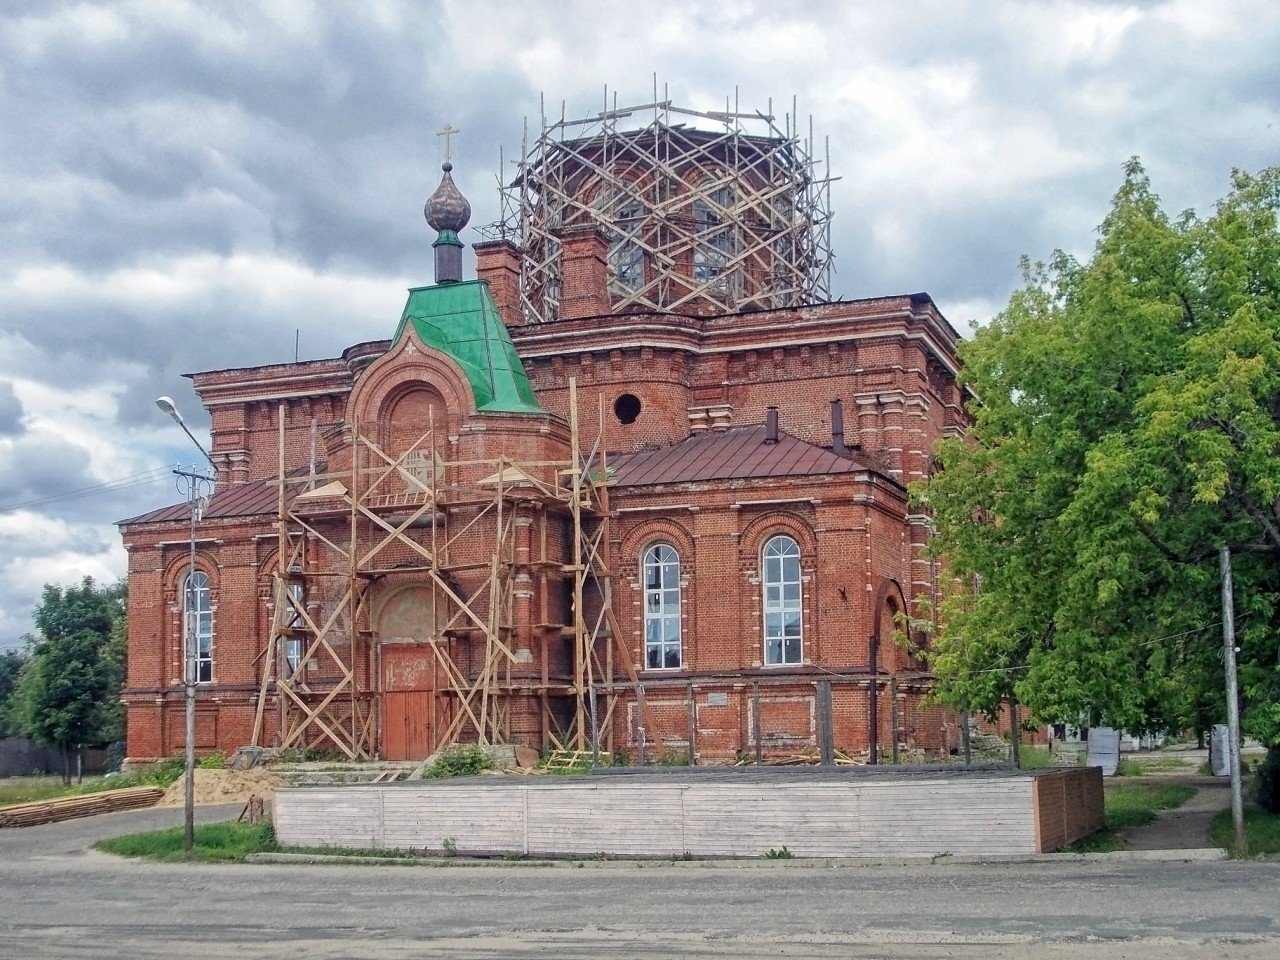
406,621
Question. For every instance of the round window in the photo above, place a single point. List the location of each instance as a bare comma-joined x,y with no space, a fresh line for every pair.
626,408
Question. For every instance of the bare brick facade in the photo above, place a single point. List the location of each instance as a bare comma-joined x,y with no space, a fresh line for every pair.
788,543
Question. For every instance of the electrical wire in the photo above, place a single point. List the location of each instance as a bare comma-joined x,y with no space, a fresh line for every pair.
141,479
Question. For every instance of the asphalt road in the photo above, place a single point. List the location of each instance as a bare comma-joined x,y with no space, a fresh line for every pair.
58,899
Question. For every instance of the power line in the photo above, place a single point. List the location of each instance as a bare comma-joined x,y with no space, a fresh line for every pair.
107,486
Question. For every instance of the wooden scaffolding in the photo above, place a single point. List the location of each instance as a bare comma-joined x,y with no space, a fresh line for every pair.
405,514
719,210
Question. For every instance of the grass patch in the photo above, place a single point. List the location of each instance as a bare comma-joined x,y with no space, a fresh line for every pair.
1154,763
1261,830
1105,840
214,842
1034,758
30,789
1130,805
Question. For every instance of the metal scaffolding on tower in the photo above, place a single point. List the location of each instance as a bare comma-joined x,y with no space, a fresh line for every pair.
704,211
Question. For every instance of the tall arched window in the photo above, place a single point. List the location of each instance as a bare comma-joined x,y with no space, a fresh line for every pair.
717,241
783,635
197,611
626,256
661,607
295,643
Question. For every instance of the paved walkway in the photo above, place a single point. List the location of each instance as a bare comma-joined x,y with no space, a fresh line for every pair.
1185,827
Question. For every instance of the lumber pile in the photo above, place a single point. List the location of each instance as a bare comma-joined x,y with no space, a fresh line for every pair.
806,758
86,805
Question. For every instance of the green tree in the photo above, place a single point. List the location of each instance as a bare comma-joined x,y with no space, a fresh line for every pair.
1126,425
68,691
11,664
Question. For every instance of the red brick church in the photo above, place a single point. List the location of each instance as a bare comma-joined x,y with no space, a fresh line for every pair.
641,485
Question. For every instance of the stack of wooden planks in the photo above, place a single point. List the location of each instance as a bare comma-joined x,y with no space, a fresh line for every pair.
85,805
807,758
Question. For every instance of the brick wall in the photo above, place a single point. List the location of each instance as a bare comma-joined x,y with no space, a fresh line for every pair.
890,360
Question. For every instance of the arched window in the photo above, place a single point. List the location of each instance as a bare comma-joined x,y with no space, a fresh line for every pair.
197,609
295,643
783,639
661,607
717,241
626,256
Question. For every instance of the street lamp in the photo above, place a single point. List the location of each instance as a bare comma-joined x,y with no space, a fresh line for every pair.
194,480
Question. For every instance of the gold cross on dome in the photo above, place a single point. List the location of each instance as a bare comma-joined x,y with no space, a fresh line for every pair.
448,132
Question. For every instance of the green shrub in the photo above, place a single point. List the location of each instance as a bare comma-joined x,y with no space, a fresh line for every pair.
780,854
459,761
1266,781
214,761
163,773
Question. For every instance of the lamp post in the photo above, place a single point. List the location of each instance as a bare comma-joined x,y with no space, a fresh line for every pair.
194,481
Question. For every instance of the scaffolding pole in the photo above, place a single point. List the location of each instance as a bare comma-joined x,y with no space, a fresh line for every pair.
340,532
703,211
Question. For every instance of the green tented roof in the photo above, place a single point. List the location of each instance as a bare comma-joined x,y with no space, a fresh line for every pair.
461,320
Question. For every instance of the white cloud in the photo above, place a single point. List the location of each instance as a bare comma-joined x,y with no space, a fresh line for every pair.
185,183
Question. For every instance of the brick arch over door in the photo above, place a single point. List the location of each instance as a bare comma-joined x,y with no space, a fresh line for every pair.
406,617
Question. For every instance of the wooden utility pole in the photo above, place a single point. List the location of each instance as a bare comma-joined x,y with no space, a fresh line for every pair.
1015,733
1233,705
826,744
894,719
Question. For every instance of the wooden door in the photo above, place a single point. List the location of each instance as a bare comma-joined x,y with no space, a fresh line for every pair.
407,692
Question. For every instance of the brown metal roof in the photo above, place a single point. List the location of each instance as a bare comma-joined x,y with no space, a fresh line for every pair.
241,500
735,454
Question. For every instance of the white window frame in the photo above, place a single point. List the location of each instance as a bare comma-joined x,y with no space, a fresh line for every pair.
776,605
197,583
657,608
294,645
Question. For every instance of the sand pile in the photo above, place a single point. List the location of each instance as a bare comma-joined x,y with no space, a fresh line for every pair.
224,786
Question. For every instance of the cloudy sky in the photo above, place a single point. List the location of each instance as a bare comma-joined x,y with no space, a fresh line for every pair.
185,184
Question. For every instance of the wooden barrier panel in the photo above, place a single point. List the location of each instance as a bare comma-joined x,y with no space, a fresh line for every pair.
882,816
1068,806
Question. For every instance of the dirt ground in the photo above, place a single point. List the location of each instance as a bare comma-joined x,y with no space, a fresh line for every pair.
224,786
1187,826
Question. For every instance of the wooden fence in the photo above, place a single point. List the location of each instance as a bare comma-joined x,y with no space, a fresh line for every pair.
738,815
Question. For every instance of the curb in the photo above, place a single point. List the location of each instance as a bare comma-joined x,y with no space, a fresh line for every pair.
1201,854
